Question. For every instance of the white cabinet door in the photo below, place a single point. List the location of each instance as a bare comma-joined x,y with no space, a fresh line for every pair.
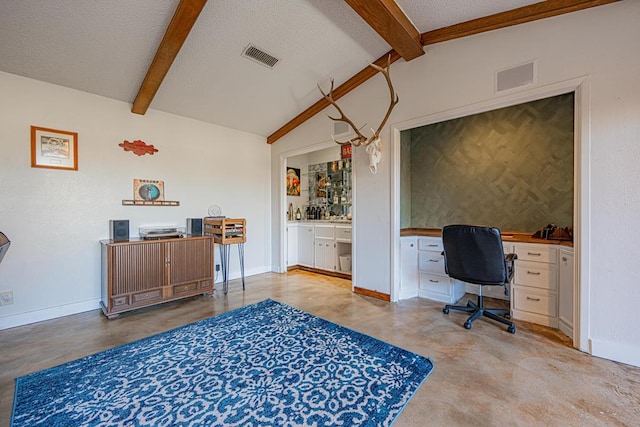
408,267
305,245
325,254
565,310
292,244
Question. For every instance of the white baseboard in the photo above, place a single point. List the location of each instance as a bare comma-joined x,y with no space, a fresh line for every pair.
233,275
21,319
618,352
410,293
565,326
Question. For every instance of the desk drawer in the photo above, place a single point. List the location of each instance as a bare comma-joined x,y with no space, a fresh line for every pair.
435,285
430,244
537,275
536,253
432,262
543,303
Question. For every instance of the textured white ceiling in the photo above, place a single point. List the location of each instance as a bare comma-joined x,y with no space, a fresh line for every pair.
105,47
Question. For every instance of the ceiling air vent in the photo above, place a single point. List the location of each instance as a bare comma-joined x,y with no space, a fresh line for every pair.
260,56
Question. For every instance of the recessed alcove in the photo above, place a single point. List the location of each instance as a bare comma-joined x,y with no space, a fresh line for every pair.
511,167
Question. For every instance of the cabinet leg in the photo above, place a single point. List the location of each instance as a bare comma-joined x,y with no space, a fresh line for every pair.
113,316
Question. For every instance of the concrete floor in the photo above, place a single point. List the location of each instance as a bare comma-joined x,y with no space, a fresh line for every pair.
482,377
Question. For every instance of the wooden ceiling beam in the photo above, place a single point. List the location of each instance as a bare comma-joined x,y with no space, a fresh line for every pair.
183,20
521,15
391,23
517,16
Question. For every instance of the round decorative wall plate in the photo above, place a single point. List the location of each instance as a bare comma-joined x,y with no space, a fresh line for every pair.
149,192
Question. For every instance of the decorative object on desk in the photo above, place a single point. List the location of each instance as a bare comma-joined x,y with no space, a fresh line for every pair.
138,147
293,182
553,232
372,144
561,233
148,190
54,149
266,361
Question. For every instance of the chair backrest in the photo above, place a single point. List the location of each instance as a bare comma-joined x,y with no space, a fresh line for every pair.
474,254
4,245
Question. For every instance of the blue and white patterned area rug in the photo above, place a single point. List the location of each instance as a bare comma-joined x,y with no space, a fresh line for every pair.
266,364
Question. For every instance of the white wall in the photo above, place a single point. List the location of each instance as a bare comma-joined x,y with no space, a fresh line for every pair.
55,218
600,43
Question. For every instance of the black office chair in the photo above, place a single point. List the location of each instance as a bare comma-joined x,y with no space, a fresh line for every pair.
475,255
4,245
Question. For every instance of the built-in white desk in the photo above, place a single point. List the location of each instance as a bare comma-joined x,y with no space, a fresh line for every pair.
541,290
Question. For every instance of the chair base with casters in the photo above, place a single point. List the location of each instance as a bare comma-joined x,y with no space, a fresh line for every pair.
478,310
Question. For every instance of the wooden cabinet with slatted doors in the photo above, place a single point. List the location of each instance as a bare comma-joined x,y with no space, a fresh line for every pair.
140,273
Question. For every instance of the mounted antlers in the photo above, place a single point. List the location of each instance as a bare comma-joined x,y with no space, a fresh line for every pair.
359,138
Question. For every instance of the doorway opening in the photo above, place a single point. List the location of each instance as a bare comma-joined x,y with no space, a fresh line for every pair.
317,218
580,89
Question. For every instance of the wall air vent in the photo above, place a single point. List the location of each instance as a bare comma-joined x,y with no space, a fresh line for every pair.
260,56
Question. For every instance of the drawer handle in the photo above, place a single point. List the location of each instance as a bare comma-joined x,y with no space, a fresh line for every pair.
533,273
533,299
534,253
434,281
431,245
434,260
564,258
411,245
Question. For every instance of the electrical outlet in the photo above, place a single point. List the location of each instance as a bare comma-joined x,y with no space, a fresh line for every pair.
217,267
6,298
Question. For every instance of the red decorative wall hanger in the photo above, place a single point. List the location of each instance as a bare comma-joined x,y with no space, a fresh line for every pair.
138,147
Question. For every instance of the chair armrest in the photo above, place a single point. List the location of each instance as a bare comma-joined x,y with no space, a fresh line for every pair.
509,261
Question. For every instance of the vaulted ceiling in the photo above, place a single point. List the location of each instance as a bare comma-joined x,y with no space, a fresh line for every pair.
106,48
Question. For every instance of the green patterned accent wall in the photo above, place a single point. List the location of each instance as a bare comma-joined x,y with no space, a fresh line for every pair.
511,168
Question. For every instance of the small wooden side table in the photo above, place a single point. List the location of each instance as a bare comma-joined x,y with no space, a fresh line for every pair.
225,232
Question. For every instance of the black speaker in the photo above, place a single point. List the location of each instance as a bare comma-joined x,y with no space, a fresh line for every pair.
194,226
119,229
